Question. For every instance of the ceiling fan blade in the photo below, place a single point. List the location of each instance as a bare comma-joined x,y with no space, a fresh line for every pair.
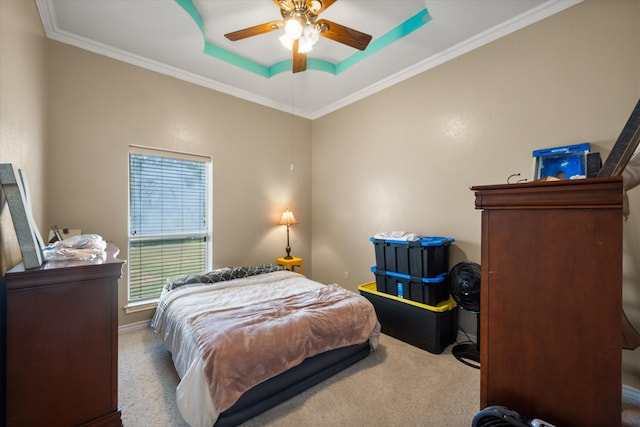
344,35
255,30
284,4
299,59
324,5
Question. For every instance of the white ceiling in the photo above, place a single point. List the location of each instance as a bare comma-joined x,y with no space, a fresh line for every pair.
161,35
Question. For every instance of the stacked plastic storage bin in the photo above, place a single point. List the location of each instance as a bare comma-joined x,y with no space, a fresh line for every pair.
416,270
411,291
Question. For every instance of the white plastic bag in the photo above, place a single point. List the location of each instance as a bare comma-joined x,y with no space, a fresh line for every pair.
84,246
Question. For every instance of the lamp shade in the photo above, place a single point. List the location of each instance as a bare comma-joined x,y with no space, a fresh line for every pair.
287,218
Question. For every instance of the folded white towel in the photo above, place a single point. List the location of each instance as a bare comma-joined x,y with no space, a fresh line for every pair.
397,235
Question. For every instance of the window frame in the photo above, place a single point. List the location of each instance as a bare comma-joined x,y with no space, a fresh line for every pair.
140,304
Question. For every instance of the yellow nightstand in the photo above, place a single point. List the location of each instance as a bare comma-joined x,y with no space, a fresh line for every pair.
291,263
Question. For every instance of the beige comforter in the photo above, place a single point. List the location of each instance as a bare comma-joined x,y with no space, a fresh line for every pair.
245,346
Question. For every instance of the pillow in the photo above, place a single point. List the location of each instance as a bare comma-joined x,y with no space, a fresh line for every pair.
221,275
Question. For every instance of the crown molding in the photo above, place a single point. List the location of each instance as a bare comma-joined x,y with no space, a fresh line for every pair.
52,31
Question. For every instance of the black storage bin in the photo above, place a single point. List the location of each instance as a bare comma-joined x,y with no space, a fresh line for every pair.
392,255
429,291
429,256
430,328
392,283
426,257
381,280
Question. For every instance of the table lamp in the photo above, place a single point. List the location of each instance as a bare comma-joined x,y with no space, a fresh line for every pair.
288,219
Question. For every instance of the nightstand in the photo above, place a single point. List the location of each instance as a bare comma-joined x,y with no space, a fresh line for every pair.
291,263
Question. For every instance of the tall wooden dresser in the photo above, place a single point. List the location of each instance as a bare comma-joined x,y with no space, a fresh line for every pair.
551,300
62,343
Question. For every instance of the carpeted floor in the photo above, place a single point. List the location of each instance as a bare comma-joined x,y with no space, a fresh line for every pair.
397,385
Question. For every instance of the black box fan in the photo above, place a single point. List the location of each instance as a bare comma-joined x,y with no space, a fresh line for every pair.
500,416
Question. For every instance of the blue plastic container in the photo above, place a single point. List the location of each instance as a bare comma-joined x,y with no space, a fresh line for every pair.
568,162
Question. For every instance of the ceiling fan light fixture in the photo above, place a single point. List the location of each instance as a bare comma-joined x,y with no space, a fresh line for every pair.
306,35
315,5
304,46
293,28
286,41
310,33
302,29
308,39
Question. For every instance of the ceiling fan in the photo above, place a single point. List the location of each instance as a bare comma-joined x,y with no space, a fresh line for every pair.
303,28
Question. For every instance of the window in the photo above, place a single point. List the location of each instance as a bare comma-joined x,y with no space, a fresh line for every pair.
169,218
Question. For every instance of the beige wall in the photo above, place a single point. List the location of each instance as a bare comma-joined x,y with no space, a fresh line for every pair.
100,106
404,159
23,101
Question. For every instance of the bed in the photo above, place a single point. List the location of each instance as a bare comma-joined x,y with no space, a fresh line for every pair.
244,339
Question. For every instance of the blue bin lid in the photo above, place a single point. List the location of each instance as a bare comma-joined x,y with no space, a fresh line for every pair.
433,241
394,274
566,149
422,241
375,270
396,242
439,278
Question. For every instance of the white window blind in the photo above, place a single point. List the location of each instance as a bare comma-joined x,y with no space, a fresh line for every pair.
169,231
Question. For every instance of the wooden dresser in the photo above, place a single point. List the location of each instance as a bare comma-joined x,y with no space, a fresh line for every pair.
551,300
62,343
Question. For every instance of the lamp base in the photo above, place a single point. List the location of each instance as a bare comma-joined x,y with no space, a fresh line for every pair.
288,248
